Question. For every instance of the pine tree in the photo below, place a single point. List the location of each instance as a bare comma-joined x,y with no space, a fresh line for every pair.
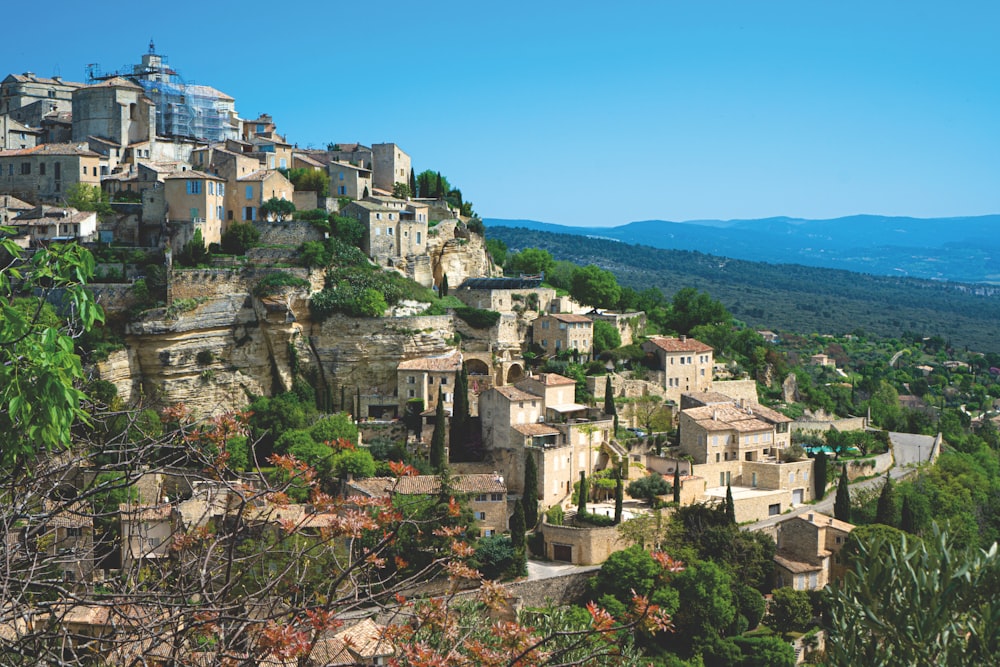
819,476
885,512
530,497
517,526
677,483
908,519
581,507
842,504
619,491
730,506
437,454
459,432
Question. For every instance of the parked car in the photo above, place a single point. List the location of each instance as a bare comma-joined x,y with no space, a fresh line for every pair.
637,432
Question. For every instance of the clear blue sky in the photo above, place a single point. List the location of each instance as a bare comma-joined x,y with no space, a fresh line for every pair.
598,113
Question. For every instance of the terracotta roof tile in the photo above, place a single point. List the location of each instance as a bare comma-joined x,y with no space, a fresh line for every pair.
677,345
452,361
535,429
515,394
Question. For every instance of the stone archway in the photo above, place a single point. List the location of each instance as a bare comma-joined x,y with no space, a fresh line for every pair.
476,367
514,373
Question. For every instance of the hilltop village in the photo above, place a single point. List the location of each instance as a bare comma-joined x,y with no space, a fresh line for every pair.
332,306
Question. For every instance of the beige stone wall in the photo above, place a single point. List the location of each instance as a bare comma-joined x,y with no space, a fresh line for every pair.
490,515
630,326
21,175
873,465
740,390
590,546
391,165
848,424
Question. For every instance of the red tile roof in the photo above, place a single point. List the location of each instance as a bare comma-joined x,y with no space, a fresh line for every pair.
678,345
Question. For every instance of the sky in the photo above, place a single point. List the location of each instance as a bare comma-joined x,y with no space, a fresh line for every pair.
586,113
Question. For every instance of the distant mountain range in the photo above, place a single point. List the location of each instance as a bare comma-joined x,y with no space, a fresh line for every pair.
965,249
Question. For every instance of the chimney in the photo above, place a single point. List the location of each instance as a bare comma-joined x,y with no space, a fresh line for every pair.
683,338
715,415
811,516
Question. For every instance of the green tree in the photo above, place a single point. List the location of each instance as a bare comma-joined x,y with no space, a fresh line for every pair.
371,303
707,607
458,437
85,197
517,525
677,484
594,286
291,440
355,462
583,494
619,492
193,252
497,250
609,398
444,285
239,238
530,261
335,427
413,183
310,180
530,497
886,511
691,308
278,209
790,610
648,487
401,190
908,519
730,506
819,476
438,458
606,337
907,601
842,503
40,375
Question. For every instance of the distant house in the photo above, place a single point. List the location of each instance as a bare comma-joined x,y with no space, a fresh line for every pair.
487,494
686,364
349,180
421,378
47,172
43,224
558,332
808,555
195,201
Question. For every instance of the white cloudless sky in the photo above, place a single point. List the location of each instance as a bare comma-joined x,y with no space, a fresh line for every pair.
585,113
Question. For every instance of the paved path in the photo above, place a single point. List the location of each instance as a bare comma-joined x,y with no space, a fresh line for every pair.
542,569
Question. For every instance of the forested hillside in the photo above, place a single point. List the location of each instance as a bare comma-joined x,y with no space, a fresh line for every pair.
788,296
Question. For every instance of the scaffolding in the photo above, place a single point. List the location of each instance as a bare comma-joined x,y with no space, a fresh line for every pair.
184,109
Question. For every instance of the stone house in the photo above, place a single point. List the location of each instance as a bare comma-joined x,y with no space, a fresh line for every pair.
739,445
557,332
505,295
117,110
147,532
46,172
11,207
263,126
55,223
27,97
390,165
630,326
349,180
391,233
69,537
486,492
357,154
15,135
256,188
195,200
808,555
421,378
686,364
538,416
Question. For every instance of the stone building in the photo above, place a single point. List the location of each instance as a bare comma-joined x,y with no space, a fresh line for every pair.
391,232
117,110
47,172
15,135
28,98
195,200
538,416
42,224
630,326
420,379
256,188
558,332
686,364
506,294
390,165
808,555
349,180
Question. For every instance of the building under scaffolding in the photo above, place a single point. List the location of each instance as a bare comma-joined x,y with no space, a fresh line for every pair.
183,110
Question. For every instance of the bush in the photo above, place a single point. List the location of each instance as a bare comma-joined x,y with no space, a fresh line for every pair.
478,318
239,238
290,440
592,519
494,555
356,462
649,487
273,282
333,428
555,515
205,357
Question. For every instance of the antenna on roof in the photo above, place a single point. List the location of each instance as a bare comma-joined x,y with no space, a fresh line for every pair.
152,47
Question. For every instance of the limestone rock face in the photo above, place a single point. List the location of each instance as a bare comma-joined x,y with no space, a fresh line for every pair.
458,253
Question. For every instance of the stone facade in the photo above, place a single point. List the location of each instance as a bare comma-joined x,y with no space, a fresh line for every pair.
27,97
390,166
46,172
581,545
630,326
117,110
808,551
348,180
558,332
195,200
686,364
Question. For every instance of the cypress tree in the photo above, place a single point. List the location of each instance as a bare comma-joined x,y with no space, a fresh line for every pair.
439,187
517,526
885,512
619,492
842,504
364,195
730,506
444,285
413,184
459,432
530,497
819,476
437,454
677,483
581,507
908,520
609,398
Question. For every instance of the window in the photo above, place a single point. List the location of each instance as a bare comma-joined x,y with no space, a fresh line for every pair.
487,532
791,478
480,516
41,168
248,212
194,187
341,189
388,230
74,532
378,216
26,168
411,379
411,393
249,193
444,380
496,497
341,176
194,214
481,498
545,324
418,238
753,480
218,212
